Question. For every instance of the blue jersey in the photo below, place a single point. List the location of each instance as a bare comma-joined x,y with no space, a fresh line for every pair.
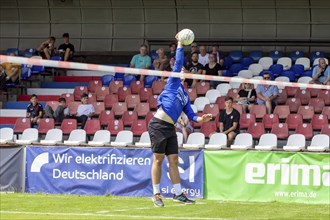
174,99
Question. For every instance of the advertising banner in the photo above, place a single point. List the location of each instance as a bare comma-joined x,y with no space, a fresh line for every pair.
267,176
100,171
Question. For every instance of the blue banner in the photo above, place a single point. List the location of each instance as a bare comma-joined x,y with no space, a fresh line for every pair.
100,171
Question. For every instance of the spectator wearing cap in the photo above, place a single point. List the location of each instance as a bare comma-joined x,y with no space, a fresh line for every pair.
85,111
267,94
171,53
141,60
194,49
203,56
66,49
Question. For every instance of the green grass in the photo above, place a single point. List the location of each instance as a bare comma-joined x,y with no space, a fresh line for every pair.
42,206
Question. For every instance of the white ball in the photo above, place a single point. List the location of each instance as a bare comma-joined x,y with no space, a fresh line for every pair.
186,36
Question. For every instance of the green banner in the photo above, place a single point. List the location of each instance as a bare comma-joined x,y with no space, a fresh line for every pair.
267,176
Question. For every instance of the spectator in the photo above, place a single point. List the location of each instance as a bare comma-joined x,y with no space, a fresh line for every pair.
203,56
215,49
34,110
141,60
267,94
194,67
61,112
47,48
161,62
11,72
66,49
213,68
194,49
229,121
85,111
246,97
321,73
171,53
183,125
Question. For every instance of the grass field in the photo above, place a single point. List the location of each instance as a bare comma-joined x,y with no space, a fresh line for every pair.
42,206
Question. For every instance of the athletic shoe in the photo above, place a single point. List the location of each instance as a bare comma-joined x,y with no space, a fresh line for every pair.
183,198
158,202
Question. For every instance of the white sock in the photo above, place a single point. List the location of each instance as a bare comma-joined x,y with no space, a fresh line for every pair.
177,189
156,188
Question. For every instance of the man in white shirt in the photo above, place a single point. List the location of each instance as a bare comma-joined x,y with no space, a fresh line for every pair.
85,111
203,57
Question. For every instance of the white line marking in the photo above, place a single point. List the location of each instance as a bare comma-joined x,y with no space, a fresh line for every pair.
107,215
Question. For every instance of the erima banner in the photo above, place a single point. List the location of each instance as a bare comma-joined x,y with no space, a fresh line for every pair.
99,171
267,176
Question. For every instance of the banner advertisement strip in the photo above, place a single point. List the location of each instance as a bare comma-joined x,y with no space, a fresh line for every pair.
267,176
100,171
11,169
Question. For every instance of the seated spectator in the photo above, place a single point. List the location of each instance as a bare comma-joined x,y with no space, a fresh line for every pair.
85,111
47,48
246,97
161,62
321,73
195,68
3,76
34,110
215,49
213,68
229,121
171,53
267,94
12,71
203,56
194,49
61,111
141,60
183,125
66,49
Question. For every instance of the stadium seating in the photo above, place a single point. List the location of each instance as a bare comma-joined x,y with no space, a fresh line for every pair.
202,88
119,108
153,102
256,129
281,130
256,55
110,100
318,121
115,126
293,104
22,124
101,93
200,103
6,135
265,62
92,126
320,142
286,62
243,141
296,142
211,109
114,86
54,136
246,120
94,85
305,62
208,128
275,55
294,55
122,93
138,127
68,125
306,111
282,111
101,138
212,95
217,141
223,88
136,86
129,117
45,124
267,142
269,119
77,137
144,140
293,120
195,140
29,136
123,139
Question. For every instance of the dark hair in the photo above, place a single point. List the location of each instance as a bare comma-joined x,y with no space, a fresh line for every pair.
194,53
84,95
171,44
53,38
61,99
266,73
34,96
65,35
229,98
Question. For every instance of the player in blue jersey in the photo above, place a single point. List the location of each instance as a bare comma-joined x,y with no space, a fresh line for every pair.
171,102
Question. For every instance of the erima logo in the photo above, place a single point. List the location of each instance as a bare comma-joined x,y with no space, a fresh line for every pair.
39,161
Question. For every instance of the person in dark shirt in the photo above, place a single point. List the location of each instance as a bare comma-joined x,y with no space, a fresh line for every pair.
246,97
195,68
66,49
213,68
34,110
229,121
171,53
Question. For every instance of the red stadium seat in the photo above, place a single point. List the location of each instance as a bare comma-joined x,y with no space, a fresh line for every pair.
293,120
318,121
119,108
78,91
326,129
282,97
211,109
282,111
220,101
202,88
122,93
291,91
142,109
313,92
45,124
53,104
281,130
68,97
259,111
115,126
22,124
324,94
68,125
153,102
208,128
105,117
99,107
317,103
138,127
306,130
129,117
326,111
73,106
144,94
293,104
101,93
238,107
269,119
110,100
93,85
192,94
132,100
8,120
304,96
246,119
91,98
92,126
306,111
256,129
114,86
157,87
136,86
233,93
149,116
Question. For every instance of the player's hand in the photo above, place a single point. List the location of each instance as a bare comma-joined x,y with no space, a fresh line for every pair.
206,117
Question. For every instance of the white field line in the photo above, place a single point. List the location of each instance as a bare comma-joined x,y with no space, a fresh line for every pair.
106,215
